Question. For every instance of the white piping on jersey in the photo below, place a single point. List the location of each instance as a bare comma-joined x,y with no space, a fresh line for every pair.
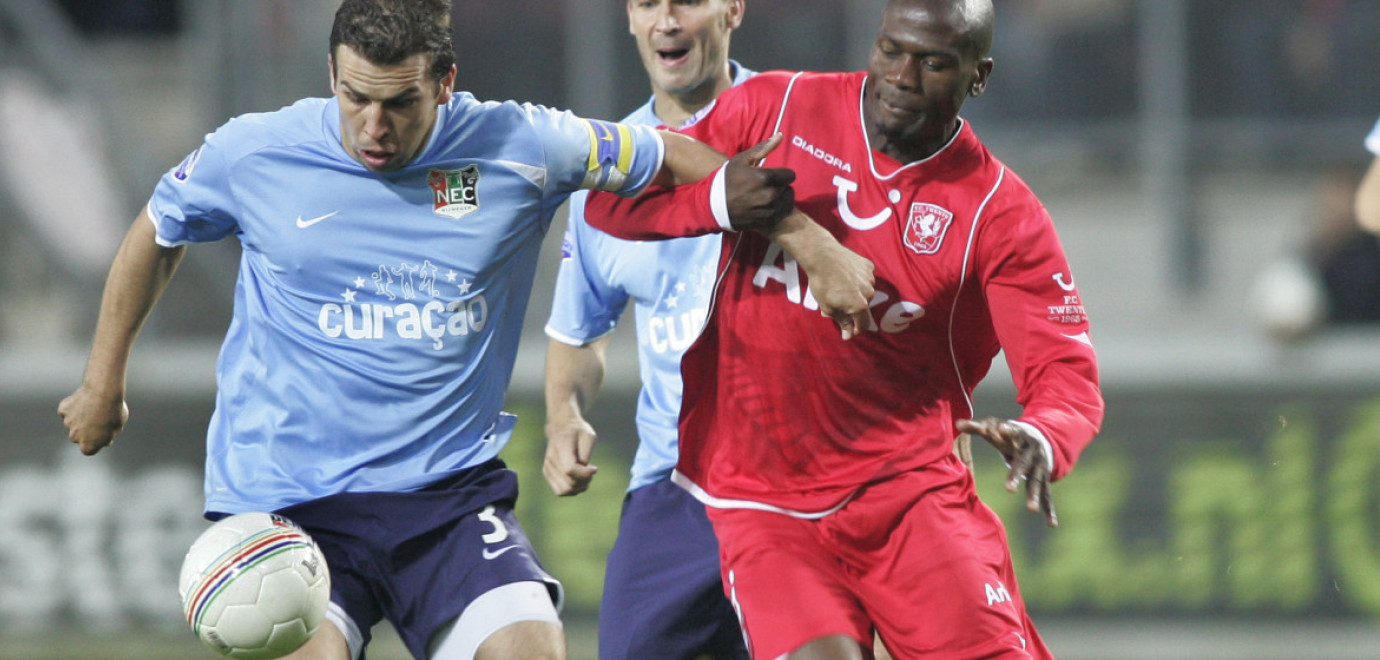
533,173
871,162
720,503
785,100
962,279
718,281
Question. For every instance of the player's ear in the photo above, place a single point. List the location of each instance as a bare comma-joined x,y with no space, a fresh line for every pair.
735,13
447,86
979,84
330,67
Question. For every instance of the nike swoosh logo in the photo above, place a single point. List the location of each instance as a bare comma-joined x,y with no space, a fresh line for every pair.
1081,338
303,224
490,554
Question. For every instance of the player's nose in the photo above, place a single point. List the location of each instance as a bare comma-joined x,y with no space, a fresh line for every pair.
376,124
666,20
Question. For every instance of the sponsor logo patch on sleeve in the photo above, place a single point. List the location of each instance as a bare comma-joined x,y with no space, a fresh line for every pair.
184,169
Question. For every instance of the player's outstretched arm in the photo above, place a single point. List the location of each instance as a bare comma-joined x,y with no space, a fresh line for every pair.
96,412
708,195
1027,457
745,195
574,375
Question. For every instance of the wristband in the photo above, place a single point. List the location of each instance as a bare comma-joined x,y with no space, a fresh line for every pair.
718,200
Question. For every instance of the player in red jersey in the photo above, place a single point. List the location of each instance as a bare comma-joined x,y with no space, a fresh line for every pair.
828,465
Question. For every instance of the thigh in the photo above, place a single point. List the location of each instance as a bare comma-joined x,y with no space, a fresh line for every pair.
663,596
941,584
515,620
787,584
529,640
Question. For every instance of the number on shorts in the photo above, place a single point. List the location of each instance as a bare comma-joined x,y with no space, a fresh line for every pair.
500,531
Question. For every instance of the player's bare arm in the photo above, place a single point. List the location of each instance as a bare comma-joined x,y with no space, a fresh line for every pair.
574,375
1027,459
96,412
761,199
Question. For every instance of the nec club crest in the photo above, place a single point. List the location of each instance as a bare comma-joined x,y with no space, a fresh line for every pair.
926,227
455,193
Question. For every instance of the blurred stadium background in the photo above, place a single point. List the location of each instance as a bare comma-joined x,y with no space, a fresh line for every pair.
1190,152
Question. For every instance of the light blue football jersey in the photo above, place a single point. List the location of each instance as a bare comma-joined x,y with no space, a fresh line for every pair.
377,315
670,283
1373,139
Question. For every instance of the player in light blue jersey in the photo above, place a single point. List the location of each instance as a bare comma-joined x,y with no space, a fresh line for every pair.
389,242
663,596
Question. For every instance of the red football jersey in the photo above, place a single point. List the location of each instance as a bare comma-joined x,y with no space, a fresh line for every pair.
778,410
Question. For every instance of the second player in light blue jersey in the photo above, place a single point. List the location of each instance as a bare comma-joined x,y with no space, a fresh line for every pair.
663,596
389,239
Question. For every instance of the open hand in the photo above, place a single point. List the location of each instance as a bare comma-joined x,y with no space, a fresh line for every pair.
1026,457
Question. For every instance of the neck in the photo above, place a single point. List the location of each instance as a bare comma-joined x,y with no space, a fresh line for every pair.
673,109
906,146
909,149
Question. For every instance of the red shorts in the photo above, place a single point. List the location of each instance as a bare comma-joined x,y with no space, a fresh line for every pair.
918,558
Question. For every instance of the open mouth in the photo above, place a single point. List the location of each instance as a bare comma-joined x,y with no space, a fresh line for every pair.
374,157
672,55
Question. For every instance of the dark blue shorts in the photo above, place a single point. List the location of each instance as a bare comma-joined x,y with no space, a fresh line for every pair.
663,596
419,558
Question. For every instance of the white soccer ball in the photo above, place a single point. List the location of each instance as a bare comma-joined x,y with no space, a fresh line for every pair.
254,586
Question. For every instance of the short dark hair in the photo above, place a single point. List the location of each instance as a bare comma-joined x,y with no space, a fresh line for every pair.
390,31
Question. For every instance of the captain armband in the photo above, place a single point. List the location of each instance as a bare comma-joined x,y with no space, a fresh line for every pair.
610,155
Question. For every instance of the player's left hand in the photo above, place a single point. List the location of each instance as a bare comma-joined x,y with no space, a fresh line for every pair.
1025,456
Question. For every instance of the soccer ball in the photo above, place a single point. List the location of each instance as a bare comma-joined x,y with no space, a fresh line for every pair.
254,586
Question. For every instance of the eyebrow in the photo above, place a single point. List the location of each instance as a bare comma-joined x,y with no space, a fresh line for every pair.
409,92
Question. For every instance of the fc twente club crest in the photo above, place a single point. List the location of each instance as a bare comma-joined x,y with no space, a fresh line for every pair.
455,193
926,227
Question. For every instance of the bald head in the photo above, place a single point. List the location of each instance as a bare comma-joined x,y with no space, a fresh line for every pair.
973,18
929,57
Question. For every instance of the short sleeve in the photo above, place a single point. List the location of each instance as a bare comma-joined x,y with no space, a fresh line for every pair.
585,306
193,202
595,154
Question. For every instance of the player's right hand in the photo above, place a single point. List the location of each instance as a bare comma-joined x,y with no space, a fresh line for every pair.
757,197
93,420
569,447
